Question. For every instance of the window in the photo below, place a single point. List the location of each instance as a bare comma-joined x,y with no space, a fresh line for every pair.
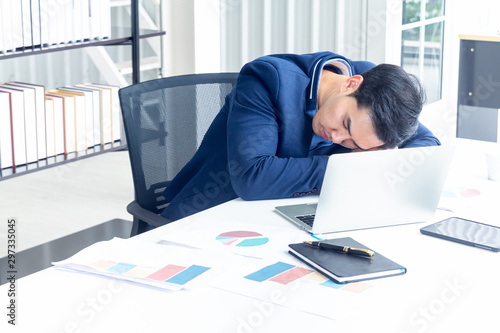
422,43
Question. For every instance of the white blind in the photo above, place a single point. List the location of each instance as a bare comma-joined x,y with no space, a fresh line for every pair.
252,28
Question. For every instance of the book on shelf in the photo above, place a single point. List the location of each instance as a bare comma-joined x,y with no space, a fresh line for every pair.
36,28
2,33
39,101
92,113
69,121
114,109
76,13
96,108
80,118
54,20
106,111
50,129
12,33
6,151
26,24
34,121
24,105
16,102
5,27
95,18
68,107
59,140
26,28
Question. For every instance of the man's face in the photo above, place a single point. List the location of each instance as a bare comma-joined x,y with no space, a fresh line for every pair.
341,121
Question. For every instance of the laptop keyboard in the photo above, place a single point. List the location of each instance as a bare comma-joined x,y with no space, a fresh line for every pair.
307,219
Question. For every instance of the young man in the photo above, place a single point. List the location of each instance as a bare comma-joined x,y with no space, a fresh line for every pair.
285,116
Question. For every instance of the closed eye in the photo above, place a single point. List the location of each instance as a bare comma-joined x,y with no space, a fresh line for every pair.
347,125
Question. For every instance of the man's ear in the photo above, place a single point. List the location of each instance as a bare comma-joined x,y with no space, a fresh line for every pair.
352,83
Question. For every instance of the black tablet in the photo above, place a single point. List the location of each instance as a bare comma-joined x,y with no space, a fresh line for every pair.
466,232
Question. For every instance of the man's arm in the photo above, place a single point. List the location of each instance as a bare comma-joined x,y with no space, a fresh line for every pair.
254,131
423,137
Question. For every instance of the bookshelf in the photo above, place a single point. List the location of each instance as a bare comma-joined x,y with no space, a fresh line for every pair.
118,36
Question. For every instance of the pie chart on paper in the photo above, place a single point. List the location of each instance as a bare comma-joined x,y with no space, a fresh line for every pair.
242,238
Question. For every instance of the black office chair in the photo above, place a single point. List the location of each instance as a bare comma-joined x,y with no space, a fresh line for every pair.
165,121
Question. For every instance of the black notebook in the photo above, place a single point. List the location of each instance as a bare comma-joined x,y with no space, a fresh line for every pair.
342,267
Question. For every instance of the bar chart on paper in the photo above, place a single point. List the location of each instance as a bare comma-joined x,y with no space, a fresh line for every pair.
175,274
166,267
297,286
284,273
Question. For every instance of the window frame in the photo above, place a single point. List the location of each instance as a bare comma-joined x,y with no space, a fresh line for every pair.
422,23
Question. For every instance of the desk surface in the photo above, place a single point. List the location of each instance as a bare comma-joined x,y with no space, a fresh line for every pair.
448,287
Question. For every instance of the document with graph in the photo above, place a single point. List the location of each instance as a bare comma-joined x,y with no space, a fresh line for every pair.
163,266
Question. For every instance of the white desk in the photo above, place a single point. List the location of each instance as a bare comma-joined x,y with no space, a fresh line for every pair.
448,287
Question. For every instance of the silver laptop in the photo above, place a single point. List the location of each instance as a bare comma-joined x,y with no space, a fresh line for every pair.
375,189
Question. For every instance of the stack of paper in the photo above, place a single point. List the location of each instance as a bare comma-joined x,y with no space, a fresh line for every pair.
163,266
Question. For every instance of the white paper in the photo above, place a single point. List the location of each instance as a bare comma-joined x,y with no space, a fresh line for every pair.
163,266
293,285
253,240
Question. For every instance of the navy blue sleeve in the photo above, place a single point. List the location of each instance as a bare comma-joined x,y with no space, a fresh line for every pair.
423,137
254,135
361,66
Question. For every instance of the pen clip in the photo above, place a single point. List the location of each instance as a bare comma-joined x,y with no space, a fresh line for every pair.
367,252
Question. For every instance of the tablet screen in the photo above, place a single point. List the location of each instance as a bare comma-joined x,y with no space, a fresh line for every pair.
466,230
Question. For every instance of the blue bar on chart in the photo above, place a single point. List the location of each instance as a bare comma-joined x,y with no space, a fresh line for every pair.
121,268
188,274
269,271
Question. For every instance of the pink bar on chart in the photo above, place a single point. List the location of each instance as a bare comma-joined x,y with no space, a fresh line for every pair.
291,275
166,272
356,287
102,264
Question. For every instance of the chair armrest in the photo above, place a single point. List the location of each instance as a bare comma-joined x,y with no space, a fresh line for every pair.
145,215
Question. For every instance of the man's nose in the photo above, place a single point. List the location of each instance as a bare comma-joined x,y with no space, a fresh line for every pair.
339,136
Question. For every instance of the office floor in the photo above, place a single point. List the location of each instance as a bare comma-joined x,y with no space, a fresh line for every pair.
58,201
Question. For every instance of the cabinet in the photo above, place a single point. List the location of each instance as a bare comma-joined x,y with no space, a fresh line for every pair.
119,36
479,88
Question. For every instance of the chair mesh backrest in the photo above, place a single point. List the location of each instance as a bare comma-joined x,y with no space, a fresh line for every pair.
165,121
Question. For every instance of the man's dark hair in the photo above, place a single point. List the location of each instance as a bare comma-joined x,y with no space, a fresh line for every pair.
395,99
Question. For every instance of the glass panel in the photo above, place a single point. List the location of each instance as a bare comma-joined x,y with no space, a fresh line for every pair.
433,61
434,8
410,50
411,11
